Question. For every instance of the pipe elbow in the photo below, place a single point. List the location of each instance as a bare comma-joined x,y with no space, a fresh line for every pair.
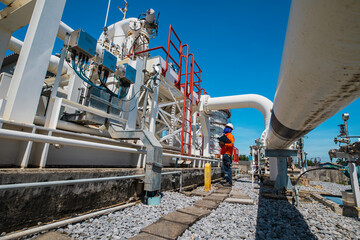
261,103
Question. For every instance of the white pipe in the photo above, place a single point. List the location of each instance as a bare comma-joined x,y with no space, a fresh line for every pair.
69,126
65,222
63,29
76,181
258,102
188,157
15,45
319,72
66,182
23,136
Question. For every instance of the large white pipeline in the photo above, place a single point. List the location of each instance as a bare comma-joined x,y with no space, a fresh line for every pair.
256,101
320,68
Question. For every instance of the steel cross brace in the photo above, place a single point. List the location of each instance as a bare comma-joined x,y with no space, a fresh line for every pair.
153,154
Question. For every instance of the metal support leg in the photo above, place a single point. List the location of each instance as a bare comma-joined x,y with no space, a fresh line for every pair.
133,104
354,183
51,121
282,180
60,67
205,128
25,157
33,62
273,168
153,155
154,106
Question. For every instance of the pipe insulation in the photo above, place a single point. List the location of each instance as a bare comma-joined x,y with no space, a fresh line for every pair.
258,102
320,68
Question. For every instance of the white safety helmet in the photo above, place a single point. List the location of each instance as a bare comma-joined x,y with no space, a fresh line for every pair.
230,126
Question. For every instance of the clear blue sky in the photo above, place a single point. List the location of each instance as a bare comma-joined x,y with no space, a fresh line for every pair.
238,45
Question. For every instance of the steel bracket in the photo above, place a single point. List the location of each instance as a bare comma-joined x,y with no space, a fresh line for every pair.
280,153
153,164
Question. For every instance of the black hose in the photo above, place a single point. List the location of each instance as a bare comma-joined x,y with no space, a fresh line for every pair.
313,169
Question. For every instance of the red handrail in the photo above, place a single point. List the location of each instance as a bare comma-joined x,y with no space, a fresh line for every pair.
182,55
191,77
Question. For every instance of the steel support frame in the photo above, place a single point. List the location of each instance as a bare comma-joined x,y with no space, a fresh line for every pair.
33,62
132,105
52,118
282,181
154,105
153,155
354,182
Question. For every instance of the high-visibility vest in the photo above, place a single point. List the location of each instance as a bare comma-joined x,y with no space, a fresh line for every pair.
228,148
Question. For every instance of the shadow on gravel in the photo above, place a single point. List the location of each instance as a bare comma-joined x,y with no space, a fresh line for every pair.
278,219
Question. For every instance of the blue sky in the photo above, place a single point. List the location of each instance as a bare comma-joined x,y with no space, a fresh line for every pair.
238,45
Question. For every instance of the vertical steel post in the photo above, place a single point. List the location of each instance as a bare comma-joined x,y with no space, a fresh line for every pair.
28,79
273,164
145,103
354,182
154,105
60,67
132,106
282,180
51,121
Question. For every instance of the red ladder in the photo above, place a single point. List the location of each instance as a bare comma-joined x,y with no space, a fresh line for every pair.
187,107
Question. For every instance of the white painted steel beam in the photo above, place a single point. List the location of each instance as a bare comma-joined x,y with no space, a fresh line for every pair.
13,19
205,128
15,5
154,106
320,72
23,136
28,79
132,105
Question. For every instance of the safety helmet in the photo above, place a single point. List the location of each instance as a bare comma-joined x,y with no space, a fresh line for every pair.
230,126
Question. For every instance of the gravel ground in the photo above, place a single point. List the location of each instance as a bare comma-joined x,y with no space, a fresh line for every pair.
267,219
202,189
128,222
329,187
274,219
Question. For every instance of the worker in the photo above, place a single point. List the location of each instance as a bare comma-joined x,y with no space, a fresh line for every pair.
227,148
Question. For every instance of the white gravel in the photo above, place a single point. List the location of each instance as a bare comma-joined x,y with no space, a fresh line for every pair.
329,187
267,219
128,222
274,219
